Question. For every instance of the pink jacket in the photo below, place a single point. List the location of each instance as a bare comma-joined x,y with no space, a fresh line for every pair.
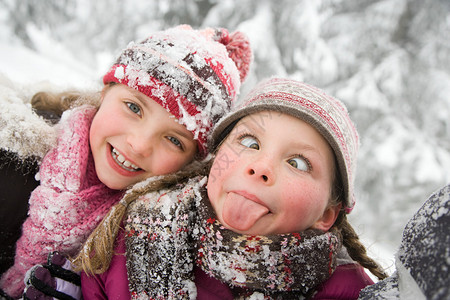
113,284
345,283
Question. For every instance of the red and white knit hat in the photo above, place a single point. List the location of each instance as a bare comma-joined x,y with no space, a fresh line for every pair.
326,114
194,74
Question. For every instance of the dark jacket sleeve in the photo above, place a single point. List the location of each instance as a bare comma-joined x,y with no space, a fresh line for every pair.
17,181
16,184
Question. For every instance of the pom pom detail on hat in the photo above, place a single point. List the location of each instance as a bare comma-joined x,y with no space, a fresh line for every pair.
237,45
194,74
326,114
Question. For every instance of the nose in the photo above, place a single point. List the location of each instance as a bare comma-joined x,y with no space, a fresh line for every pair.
261,170
140,144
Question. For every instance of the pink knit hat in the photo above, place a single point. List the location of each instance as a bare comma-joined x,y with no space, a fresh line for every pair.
194,74
326,114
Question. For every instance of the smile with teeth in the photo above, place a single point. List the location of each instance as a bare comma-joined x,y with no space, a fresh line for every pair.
121,161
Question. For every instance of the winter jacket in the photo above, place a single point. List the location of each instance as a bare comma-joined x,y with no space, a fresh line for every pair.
345,283
113,284
67,205
17,181
25,137
16,184
422,262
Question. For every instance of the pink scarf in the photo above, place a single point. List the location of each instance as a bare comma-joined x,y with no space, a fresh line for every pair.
68,204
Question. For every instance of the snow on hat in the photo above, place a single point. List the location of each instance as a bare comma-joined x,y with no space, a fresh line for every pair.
194,74
326,114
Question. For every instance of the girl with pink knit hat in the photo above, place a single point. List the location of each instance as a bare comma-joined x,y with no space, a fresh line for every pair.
160,99
269,221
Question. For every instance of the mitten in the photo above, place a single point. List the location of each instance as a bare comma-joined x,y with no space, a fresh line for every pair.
53,280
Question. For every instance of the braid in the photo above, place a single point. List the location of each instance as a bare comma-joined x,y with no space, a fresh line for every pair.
355,248
96,254
350,238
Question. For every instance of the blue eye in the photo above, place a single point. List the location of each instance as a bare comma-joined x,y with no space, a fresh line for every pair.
175,141
250,142
134,108
300,163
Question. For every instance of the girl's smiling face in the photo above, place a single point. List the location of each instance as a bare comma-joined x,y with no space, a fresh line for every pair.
273,174
132,138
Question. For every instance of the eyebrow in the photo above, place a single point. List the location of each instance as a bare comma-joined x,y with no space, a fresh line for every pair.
256,128
306,147
138,95
186,135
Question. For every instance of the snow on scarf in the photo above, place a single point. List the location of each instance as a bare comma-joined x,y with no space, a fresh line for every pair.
169,231
68,204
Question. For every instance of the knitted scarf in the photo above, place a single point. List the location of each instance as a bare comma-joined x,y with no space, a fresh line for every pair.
169,231
67,205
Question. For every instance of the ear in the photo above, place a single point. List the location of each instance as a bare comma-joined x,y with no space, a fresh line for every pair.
328,218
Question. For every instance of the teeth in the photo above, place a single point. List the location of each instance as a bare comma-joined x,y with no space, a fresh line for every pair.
121,159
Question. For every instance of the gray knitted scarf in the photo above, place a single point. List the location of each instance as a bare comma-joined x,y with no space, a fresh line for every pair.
167,232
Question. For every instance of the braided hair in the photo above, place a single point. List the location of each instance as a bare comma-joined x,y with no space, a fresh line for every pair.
350,239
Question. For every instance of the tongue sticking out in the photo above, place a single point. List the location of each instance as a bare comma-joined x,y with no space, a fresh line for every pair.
241,213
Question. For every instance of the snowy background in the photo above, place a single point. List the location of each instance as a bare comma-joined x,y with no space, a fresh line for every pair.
389,61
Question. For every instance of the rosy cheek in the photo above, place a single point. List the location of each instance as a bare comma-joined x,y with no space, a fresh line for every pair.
220,170
212,189
168,166
298,195
169,163
214,174
224,163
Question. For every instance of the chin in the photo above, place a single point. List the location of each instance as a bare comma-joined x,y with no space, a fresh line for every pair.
113,185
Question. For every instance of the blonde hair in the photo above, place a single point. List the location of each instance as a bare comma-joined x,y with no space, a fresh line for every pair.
96,254
62,101
350,238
